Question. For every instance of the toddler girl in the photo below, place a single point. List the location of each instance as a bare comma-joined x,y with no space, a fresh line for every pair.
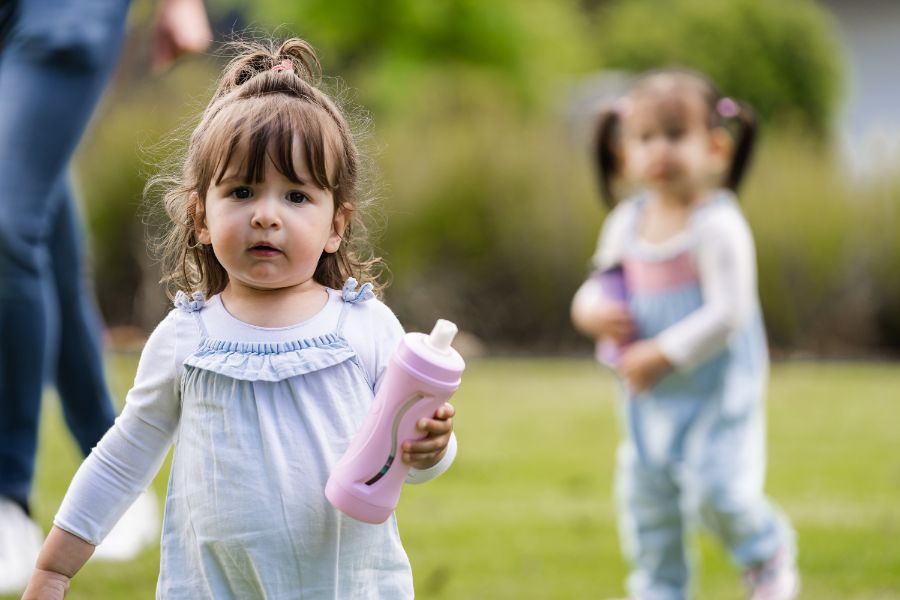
262,384
693,354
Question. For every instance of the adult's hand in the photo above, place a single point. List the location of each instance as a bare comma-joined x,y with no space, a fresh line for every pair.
181,27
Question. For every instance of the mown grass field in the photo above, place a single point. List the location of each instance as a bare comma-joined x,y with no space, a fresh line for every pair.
526,512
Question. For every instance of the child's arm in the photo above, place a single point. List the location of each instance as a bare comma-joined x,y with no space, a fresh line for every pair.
123,463
62,555
726,261
642,364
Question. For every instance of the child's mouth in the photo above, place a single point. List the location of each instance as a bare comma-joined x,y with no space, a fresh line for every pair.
264,250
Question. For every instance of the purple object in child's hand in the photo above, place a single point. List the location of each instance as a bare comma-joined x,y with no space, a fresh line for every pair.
612,282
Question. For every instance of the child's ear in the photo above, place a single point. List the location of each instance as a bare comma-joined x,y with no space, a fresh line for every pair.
721,145
198,212
338,226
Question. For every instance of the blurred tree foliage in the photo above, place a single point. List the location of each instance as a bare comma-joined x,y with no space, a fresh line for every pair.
490,213
781,57
385,46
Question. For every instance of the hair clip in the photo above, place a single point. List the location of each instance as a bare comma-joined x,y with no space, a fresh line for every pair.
728,108
284,65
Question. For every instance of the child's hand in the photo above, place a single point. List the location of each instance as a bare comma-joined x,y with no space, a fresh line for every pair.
427,452
642,364
614,322
596,316
46,585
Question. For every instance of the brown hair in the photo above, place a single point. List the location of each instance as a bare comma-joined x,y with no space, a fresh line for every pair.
737,117
267,100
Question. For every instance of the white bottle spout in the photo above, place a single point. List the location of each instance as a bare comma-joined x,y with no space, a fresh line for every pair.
442,335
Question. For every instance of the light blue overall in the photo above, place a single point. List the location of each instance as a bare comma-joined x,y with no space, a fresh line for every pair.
694,447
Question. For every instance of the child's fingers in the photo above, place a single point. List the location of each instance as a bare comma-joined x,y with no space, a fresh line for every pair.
445,412
429,444
422,460
426,452
621,334
435,426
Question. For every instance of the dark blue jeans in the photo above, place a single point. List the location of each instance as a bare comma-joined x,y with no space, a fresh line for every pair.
55,62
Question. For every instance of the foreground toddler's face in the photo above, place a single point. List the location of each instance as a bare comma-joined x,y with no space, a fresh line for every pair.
271,233
667,144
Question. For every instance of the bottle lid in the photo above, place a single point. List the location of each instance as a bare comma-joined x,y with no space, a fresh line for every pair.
431,356
442,335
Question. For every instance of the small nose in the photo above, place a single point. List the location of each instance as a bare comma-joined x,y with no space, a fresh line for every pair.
265,214
659,146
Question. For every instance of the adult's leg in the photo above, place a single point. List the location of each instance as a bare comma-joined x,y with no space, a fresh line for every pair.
79,368
54,65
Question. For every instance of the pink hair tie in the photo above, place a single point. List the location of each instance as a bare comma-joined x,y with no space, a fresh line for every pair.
284,65
728,108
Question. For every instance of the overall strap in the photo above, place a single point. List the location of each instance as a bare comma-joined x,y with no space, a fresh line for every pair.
352,296
634,228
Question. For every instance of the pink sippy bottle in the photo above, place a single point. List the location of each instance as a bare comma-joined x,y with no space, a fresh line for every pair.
422,374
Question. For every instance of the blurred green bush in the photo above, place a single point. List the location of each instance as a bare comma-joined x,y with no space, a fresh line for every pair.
490,212
781,57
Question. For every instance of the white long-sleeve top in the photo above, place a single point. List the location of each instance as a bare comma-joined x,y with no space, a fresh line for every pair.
720,242
130,454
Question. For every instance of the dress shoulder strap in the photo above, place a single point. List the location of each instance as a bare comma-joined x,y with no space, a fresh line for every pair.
351,295
192,304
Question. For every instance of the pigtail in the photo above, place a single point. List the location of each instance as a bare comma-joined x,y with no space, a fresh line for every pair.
606,153
745,137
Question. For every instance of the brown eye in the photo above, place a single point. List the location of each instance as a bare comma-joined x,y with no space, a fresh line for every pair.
297,197
242,193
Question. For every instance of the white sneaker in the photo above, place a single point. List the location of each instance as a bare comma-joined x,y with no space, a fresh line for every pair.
137,529
20,544
775,579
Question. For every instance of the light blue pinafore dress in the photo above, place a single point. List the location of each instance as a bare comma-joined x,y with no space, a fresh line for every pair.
694,446
246,515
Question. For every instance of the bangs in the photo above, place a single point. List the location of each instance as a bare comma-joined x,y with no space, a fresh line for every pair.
672,111
246,134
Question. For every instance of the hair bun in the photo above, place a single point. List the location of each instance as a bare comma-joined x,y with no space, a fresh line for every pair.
303,57
254,58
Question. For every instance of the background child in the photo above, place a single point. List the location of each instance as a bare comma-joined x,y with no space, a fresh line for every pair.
262,386
694,359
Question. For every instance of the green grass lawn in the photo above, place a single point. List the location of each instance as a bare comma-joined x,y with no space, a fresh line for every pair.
526,511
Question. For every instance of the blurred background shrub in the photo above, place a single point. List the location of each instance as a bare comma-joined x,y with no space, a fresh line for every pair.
781,57
476,123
